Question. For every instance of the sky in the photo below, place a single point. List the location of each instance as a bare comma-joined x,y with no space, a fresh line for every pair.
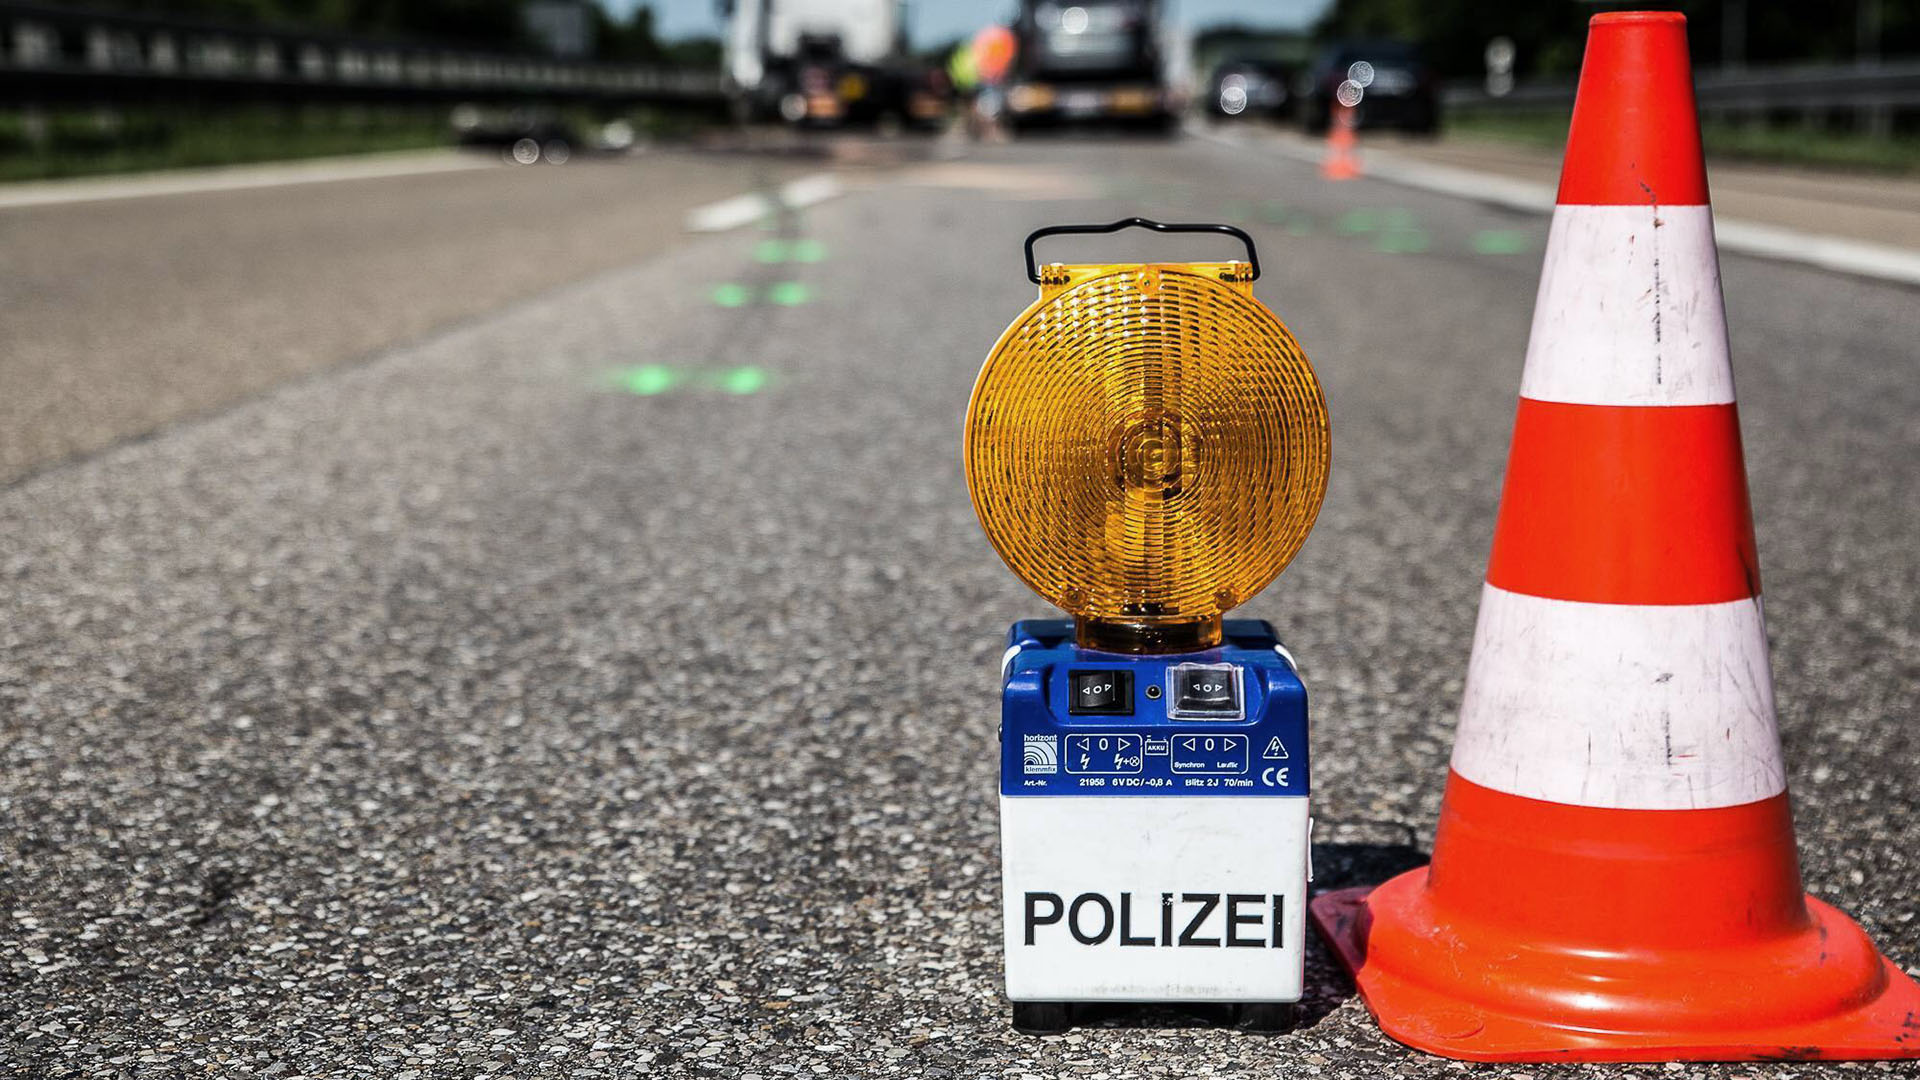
933,21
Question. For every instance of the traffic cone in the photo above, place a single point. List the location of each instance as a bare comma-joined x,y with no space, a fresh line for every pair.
1614,876
1342,160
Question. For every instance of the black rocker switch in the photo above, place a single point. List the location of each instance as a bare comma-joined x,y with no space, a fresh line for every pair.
1100,693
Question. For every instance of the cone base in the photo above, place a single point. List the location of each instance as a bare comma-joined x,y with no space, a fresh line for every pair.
1557,1011
1340,169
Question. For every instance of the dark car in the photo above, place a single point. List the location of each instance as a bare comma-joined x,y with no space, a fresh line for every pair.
1396,88
1094,62
525,137
1250,88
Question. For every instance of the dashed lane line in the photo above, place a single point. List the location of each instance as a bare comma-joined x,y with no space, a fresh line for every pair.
748,209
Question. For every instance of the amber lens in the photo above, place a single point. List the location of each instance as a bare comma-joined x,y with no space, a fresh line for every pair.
1147,445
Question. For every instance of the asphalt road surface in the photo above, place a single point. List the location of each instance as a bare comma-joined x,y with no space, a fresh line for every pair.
122,316
606,685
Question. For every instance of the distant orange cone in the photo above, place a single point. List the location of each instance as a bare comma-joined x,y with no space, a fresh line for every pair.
1342,160
1614,875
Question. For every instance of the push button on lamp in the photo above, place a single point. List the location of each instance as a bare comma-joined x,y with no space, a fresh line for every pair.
1206,690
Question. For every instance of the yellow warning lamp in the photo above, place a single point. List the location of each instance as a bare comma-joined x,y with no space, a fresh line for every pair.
1147,447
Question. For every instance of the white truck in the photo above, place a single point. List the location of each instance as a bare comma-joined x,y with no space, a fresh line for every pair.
827,63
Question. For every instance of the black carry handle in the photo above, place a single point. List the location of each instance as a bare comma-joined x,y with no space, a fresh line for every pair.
1253,257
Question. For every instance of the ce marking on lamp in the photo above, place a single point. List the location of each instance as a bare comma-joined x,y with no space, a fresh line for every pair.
1147,448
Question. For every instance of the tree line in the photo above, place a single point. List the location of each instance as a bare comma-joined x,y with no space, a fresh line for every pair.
1550,35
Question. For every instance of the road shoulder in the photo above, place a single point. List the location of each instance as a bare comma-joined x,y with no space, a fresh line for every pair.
1865,226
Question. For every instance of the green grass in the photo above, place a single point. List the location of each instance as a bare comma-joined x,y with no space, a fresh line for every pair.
1527,128
1791,145
80,143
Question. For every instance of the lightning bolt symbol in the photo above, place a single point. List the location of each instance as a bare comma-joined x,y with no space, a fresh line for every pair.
1083,761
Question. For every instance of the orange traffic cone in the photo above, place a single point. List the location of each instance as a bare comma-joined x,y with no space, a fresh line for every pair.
1614,876
1342,160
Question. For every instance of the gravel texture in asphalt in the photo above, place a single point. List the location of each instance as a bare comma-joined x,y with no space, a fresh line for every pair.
607,686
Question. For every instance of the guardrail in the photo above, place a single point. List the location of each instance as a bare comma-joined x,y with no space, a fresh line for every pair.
1746,90
52,53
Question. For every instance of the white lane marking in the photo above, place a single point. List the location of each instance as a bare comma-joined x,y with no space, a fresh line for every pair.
1504,191
239,178
1629,310
1478,187
1658,707
1882,262
1837,253
729,213
809,190
747,209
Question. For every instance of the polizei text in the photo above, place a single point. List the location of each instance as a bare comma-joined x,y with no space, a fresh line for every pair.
1183,920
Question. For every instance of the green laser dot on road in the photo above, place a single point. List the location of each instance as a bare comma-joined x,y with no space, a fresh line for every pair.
783,251
731,295
1501,242
1274,213
790,293
743,380
649,380
1355,222
645,380
1403,241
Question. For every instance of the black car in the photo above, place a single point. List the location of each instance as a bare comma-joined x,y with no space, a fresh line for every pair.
1395,87
521,136
1250,88
1092,62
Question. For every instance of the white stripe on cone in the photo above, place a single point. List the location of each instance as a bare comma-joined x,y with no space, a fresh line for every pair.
1629,310
1660,707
